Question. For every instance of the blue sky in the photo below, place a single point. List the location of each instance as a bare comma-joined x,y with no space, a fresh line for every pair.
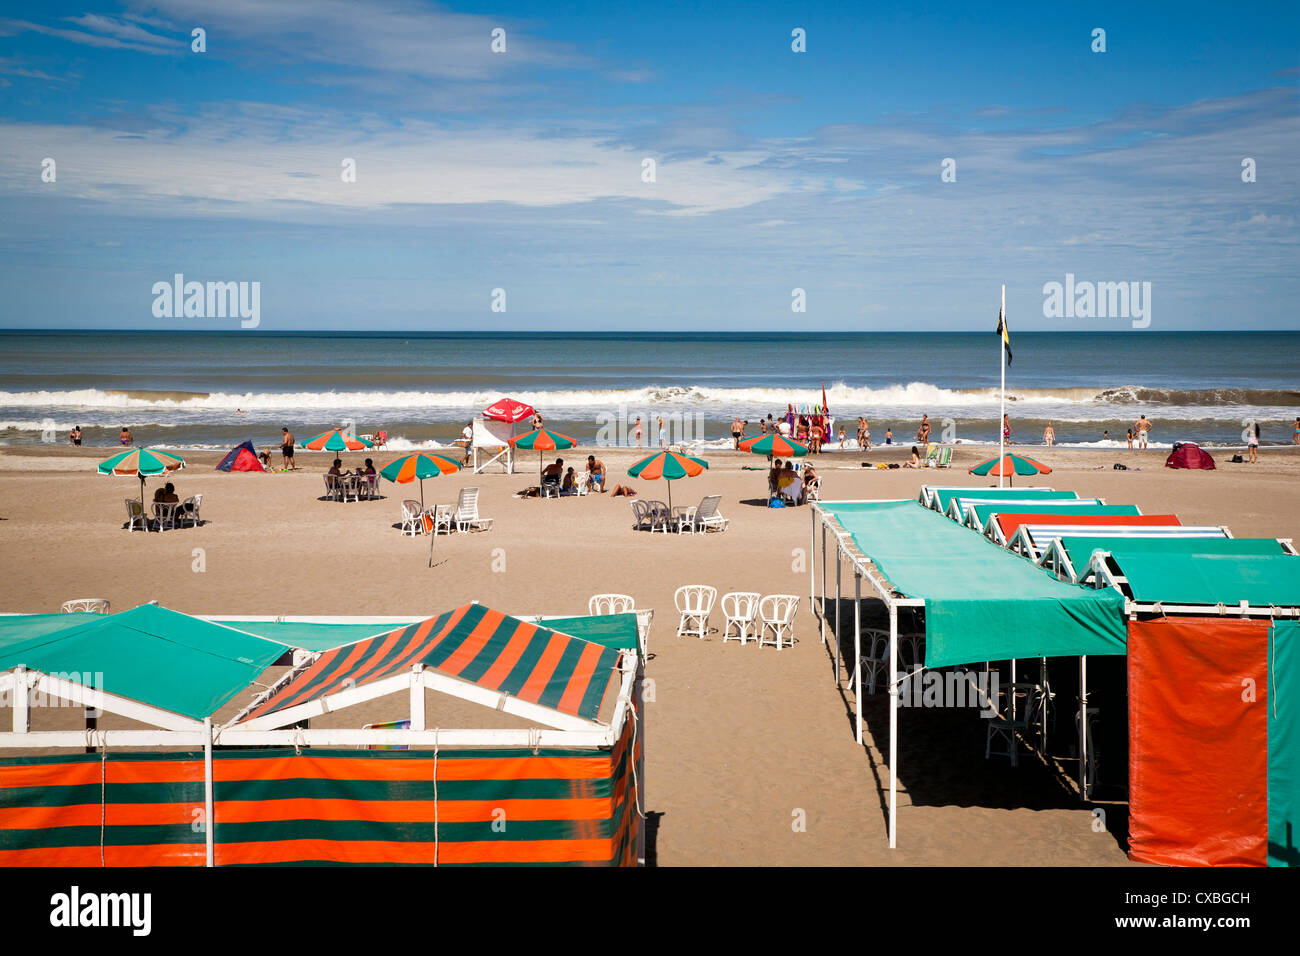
522,170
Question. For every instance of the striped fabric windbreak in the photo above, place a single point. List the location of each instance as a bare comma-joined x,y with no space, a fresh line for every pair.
484,807
475,644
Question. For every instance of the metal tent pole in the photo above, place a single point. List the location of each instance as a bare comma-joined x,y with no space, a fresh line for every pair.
209,824
823,606
893,726
857,647
837,609
1083,727
1002,353
812,557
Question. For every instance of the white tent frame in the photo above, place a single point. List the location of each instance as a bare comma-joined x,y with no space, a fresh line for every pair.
1026,539
968,517
560,730
508,452
928,495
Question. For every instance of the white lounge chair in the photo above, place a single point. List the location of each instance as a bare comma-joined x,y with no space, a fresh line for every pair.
93,605
466,513
411,511
135,513
741,611
776,614
702,517
610,604
694,602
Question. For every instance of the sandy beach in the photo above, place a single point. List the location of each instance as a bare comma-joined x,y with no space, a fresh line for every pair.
739,739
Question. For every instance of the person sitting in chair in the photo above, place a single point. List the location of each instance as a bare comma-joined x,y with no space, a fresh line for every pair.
570,484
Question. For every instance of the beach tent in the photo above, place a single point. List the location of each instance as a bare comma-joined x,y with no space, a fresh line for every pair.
929,494
982,515
1004,527
962,509
980,602
941,498
1066,551
241,458
573,780
1189,455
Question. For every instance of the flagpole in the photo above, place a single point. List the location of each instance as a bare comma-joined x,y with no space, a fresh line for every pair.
1002,351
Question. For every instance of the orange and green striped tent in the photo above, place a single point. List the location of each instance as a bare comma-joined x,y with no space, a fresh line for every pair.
475,644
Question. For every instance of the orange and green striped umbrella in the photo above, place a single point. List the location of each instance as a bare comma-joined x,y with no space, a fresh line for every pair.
140,463
419,465
1010,465
336,439
542,440
773,443
668,465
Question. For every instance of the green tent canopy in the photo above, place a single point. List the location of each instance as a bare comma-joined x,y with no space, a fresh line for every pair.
984,512
312,636
609,630
17,628
1206,577
982,602
151,655
944,496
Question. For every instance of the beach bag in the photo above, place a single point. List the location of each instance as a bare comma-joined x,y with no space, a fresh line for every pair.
1236,459
1119,467
776,503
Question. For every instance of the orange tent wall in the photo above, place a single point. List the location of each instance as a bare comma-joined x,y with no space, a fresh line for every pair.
1198,752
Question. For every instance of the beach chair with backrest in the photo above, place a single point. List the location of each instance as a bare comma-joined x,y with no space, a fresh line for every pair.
1005,728
166,514
931,456
411,510
467,515
92,605
333,488
135,514
704,516
640,514
776,614
813,490
610,604
944,460
694,602
580,484
189,512
740,608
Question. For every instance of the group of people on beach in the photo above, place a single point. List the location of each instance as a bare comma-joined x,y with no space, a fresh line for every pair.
567,478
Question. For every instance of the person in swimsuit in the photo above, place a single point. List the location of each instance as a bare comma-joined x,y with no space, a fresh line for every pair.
663,433
286,448
1049,435
889,436
1006,430
74,436
124,436
735,432
596,469
636,431
1140,429
1295,431
1252,443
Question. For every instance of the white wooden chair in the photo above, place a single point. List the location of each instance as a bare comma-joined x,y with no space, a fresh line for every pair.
135,514
610,604
776,614
411,510
466,512
694,602
741,611
93,605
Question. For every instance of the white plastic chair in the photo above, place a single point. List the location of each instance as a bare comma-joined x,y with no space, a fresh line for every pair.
640,513
694,602
166,513
333,487
466,512
190,509
580,485
135,513
93,605
411,510
776,613
610,604
741,611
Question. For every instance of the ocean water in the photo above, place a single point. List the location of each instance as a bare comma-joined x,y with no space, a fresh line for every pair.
212,390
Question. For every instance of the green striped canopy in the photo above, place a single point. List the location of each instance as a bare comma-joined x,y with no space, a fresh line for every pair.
543,440
668,465
336,440
943,496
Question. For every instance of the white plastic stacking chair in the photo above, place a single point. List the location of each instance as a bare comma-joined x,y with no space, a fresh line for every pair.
741,611
610,604
466,511
814,490
641,514
333,487
135,513
190,509
93,605
707,517
776,614
580,485
694,602
167,513
411,510
661,518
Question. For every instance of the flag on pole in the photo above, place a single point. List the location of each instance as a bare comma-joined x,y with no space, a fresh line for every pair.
1006,336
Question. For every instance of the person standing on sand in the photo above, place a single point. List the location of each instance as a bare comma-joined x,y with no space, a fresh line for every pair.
1140,428
636,432
1006,430
923,432
1130,439
1252,443
735,432
124,436
1049,435
663,433
286,449
1295,431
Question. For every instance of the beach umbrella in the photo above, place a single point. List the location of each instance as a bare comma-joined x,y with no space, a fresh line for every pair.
508,410
773,443
421,465
1009,465
141,463
337,440
668,465
542,440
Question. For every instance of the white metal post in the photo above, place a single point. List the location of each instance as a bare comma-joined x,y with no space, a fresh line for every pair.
417,697
1002,353
823,604
857,647
209,823
1083,727
837,609
812,556
893,726
22,703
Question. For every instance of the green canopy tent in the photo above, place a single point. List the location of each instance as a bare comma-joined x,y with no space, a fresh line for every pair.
983,516
981,602
1071,554
943,497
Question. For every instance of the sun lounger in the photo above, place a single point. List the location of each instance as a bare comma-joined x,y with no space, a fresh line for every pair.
703,517
466,513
